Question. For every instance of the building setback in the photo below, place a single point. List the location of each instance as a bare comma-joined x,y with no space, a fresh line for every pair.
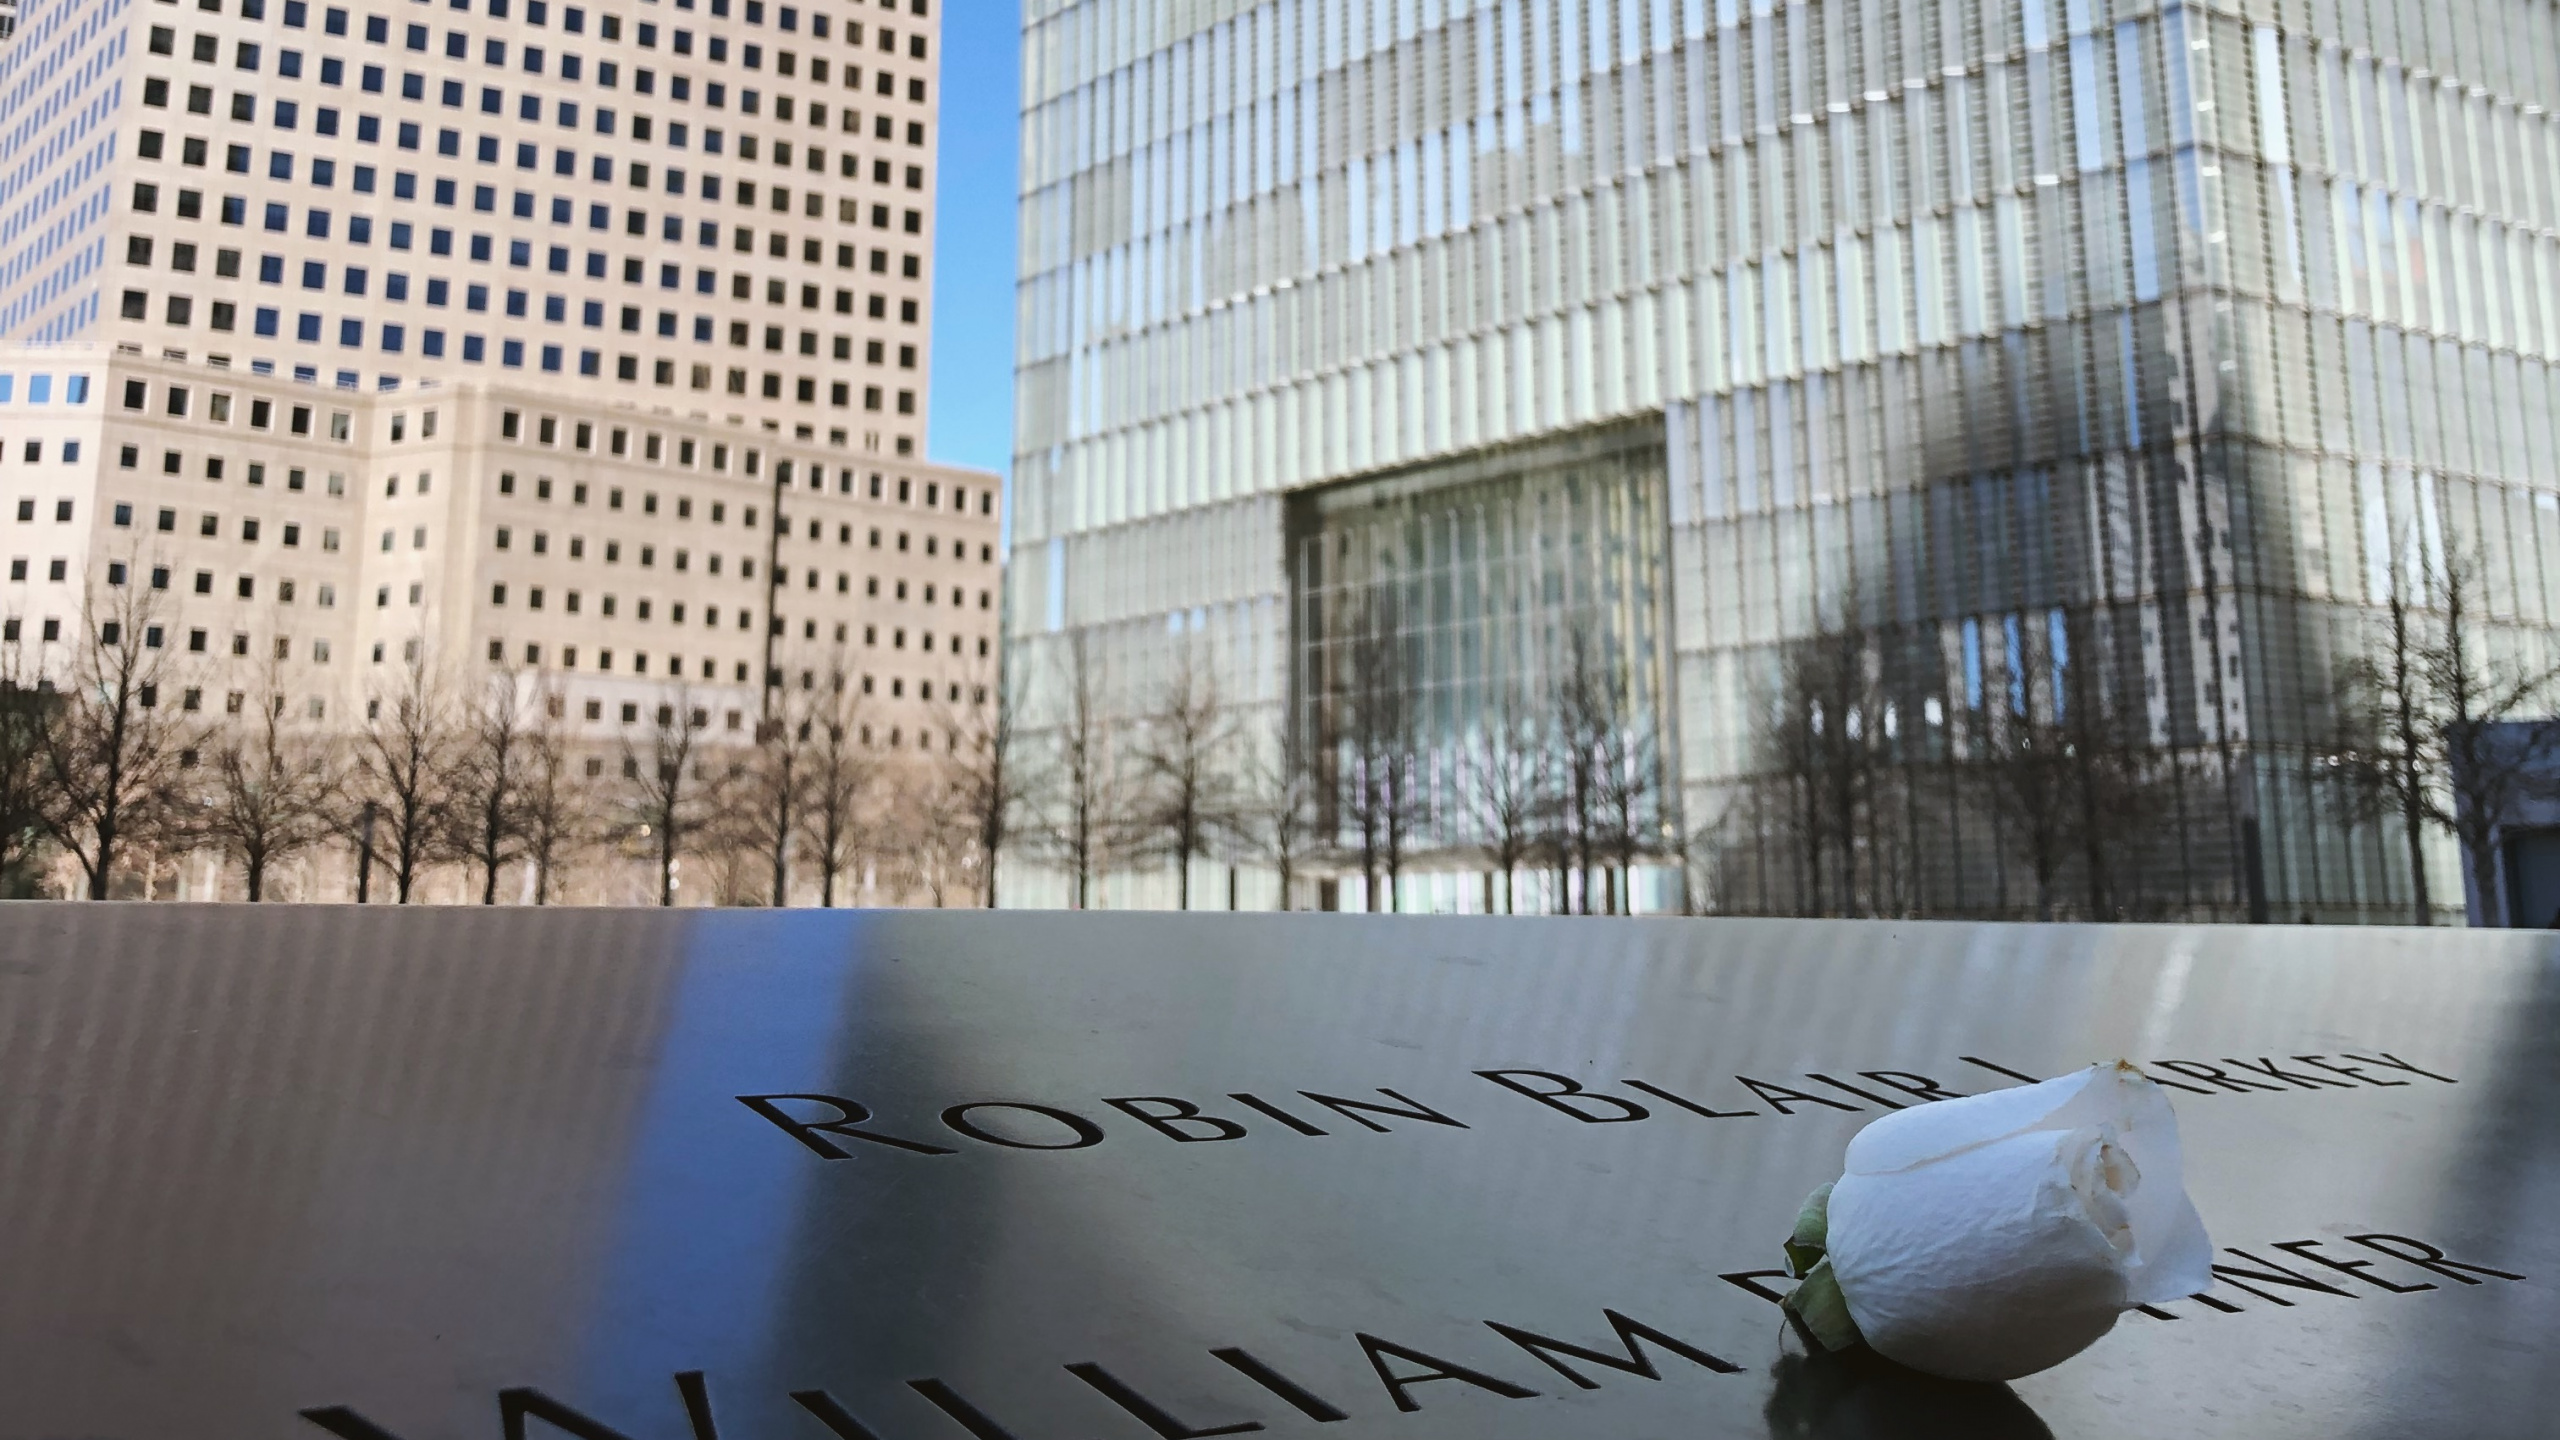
1799,408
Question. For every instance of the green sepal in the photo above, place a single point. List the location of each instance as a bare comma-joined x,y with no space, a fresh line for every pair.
1821,1312
1811,1240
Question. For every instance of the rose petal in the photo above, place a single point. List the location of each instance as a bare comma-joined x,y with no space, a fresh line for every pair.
1942,1128
1985,1266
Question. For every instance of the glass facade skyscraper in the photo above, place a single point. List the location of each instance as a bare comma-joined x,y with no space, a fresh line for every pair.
2007,368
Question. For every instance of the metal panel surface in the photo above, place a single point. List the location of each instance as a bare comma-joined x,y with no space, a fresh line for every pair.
458,1175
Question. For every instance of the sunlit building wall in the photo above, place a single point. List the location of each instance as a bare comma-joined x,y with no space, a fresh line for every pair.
724,207
2157,344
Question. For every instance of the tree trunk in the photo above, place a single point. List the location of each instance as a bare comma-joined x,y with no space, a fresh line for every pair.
257,880
2414,824
782,848
106,845
1369,866
2484,881
110,810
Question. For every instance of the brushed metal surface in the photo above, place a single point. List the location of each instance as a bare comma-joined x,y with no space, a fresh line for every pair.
273,1173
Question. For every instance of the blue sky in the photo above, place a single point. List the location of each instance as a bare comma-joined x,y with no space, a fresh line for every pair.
972,398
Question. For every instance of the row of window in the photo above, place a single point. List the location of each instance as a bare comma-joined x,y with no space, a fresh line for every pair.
244,587
393,339
573,20
223,316
537,13
538,542
223,407
216,468
75,388
718,513
325,596
329,121
276,217
32,452
403,237
252,529
437,293
568,660
416,38
249,56
701,719
542,491
196,152
177,400
581,435
198,642
675,669
573,603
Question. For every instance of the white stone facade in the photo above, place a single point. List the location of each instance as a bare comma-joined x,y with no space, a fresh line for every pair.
299,545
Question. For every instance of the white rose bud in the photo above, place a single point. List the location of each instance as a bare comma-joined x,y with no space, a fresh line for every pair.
1994,1236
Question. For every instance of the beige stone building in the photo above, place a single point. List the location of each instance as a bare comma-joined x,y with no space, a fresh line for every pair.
583,344
301,546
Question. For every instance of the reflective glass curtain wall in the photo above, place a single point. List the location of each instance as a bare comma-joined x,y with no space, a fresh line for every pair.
1478,651
2038,366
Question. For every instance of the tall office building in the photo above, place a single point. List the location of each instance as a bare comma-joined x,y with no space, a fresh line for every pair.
1898,380
717,205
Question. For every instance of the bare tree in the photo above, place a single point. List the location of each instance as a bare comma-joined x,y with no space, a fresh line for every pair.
934,834
1631,808
1625,787
2494,757
1280,810
2031,786
404,767
981,774
667,794
2385,747
553,802
2123,786
840,771
485,822
111,749
1507,787
2431,728
1588,716
1187,799
1081,809
24,713
267,792
1831,737
1374,779
775,793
